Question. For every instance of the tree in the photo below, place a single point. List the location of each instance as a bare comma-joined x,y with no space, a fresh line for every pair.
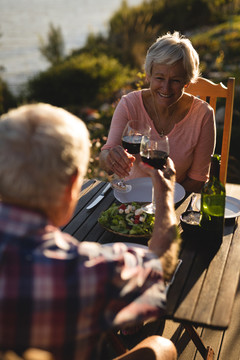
130,34
82,80
7,99
53,48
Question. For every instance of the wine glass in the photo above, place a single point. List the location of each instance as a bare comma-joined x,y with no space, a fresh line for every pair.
154,150
131,140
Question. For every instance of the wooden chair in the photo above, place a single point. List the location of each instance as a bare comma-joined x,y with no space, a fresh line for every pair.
210,92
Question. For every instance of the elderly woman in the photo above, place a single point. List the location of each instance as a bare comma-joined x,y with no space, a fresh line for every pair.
171,64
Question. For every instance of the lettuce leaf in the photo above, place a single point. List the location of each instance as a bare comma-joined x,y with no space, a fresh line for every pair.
122,219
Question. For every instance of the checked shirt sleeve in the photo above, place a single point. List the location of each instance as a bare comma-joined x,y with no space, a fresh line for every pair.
128,287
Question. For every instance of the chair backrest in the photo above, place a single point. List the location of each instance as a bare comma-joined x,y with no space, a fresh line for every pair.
210,92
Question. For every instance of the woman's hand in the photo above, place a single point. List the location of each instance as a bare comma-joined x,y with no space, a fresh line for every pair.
117,160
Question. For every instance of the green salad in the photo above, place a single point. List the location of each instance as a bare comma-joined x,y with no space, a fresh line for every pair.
128,219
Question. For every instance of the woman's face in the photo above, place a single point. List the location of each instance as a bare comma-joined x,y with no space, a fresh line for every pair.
167,83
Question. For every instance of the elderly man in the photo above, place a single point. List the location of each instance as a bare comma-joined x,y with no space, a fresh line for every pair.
57,294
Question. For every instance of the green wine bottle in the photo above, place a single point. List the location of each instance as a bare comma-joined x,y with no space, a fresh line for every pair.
213,196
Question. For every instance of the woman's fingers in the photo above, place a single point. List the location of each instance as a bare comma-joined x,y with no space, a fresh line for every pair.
119,161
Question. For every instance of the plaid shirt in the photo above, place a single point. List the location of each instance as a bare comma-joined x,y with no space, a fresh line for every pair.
60,295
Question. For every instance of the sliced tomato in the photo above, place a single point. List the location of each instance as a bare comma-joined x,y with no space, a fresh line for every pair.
136,219
122,206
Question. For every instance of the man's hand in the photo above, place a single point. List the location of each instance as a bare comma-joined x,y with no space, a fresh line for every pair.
163,180
164,241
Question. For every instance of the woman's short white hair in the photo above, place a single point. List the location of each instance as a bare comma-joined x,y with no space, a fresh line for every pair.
41,147
170,48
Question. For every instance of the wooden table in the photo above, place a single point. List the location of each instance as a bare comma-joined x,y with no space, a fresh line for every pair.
205,285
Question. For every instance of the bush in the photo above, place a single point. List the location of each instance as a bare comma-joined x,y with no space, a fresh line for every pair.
7,99
83,80
53,48
221,38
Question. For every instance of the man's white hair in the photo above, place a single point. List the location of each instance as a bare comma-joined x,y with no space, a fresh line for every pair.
41,147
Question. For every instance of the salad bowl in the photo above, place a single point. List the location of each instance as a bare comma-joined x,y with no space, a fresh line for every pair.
127,220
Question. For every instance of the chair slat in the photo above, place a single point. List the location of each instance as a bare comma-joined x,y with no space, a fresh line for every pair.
210,92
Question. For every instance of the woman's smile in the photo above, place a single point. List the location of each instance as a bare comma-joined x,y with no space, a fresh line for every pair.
167,82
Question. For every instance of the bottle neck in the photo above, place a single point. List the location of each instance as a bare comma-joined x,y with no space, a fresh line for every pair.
215,167
215,170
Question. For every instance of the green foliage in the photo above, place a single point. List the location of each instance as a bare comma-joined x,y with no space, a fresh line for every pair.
185,15
53,48
182,15
224,36
98,135
130,34
96,44
133,29
7,100
80,80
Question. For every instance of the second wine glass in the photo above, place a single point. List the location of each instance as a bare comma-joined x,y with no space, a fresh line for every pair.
154,150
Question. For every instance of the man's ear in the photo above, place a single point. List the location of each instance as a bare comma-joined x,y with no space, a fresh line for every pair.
62,213
73,187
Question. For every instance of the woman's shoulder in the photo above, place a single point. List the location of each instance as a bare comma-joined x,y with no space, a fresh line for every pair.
135,94
130,104
201,105
200,111
133,100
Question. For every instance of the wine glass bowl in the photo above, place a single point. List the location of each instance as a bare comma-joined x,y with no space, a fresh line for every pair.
154,150
132,136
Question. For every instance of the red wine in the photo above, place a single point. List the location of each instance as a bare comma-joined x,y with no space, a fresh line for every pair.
132,143
155,158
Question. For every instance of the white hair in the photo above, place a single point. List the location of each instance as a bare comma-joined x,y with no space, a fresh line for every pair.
41,147
170,48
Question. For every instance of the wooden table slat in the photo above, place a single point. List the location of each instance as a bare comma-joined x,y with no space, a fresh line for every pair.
85,196
180,279
190,293
229,283
209,292
89,220
82,215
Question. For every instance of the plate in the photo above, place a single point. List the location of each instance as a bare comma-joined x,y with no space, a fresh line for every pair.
142,191
232,207
146,236
128,244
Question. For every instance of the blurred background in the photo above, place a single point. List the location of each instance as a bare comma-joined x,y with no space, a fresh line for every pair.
84,55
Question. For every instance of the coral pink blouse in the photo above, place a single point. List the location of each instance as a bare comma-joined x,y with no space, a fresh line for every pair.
191,141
